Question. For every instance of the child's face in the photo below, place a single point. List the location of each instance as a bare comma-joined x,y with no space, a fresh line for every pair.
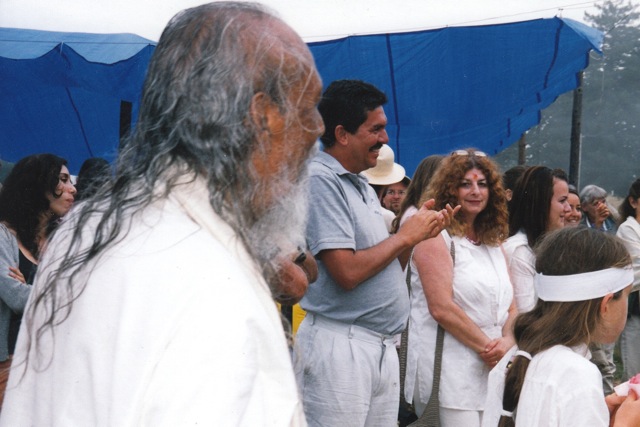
613,317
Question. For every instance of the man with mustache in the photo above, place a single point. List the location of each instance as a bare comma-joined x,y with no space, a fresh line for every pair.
346,362
152,306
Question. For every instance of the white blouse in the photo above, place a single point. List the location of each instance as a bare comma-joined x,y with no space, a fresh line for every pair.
561,388
482,288
522,263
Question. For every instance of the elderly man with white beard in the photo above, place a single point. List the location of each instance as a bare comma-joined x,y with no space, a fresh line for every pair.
152,305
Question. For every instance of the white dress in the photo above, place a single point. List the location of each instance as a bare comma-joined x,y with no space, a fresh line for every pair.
481,287
522,266
561,388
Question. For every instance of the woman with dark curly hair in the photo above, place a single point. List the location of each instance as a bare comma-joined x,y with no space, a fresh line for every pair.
35,195
463,275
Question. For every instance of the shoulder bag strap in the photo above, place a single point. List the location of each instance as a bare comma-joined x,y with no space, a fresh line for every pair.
431,415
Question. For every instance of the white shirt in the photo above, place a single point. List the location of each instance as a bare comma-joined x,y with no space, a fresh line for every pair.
629,233
481,287
174,328
522,263
561,388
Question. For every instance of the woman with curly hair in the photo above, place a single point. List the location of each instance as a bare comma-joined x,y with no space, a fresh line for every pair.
583,280
460,282
35,195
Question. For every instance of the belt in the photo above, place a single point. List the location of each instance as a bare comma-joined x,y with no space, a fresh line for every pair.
350,330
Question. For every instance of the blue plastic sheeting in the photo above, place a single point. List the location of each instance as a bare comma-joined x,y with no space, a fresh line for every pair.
62,92
448,88
463,86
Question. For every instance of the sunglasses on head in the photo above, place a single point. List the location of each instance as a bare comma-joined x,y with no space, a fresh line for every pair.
468,153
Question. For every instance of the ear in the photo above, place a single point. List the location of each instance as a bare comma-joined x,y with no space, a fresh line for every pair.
341,135
604,305
633,202
265,114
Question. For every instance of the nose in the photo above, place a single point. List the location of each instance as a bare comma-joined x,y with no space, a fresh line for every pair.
71,188
383,137
567,207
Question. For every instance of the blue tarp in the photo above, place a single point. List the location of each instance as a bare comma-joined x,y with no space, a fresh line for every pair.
62,92
463,86
448,88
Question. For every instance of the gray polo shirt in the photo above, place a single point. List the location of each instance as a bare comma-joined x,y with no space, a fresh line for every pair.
344,213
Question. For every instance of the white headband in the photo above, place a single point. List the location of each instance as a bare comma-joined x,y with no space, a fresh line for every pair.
583,286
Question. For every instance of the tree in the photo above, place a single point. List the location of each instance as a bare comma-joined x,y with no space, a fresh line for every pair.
611,111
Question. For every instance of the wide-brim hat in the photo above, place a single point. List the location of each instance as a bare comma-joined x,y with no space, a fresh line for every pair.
386,171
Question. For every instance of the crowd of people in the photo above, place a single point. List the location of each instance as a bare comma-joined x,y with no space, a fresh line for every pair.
146,294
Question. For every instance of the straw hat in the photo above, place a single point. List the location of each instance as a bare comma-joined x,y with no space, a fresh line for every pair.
386,172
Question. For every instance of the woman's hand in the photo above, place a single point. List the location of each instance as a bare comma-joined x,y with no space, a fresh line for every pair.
495,350
15,273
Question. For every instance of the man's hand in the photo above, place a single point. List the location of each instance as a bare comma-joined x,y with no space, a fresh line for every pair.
296,272
427,223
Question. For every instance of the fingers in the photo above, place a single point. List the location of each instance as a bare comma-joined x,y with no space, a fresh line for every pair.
429,204
15,273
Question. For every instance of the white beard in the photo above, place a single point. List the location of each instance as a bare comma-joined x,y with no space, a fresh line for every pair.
281,229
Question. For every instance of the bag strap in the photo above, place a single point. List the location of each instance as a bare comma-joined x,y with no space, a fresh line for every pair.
404,345
431,415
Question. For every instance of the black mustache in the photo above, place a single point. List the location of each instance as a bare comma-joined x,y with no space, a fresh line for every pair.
376,147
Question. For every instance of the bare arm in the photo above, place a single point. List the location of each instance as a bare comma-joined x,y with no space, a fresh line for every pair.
350,268
435,267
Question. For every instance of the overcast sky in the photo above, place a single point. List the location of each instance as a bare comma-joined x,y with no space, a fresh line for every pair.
313,19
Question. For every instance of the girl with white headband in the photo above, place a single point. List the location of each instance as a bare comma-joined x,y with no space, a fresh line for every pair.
583,280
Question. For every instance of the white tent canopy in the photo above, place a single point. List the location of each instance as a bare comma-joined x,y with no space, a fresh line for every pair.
314,20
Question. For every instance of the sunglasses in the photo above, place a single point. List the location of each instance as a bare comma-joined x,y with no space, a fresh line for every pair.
468,153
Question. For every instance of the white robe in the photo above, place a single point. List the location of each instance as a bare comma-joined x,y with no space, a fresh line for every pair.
175,327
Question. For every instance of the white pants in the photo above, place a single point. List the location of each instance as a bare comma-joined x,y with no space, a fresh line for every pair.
348,375
630,347
449,417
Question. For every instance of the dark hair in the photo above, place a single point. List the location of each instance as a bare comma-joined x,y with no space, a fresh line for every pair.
567,251
194,121
511,176
626,210
491,225
94,173
417,187
529,207
23,197
574,190
347,103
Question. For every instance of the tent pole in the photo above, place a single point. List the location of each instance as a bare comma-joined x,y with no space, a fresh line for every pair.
576,143
522,150
125,120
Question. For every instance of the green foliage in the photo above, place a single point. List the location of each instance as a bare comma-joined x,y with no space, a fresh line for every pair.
610,109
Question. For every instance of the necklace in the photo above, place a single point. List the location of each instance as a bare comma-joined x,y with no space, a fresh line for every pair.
475,242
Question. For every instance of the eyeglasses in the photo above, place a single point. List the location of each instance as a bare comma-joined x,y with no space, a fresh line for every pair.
468,153
394,192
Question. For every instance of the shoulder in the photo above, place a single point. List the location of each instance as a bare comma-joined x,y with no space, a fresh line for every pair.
8,241
517,240
567,365
630,225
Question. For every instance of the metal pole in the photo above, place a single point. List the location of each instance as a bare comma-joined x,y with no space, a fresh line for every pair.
576,143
